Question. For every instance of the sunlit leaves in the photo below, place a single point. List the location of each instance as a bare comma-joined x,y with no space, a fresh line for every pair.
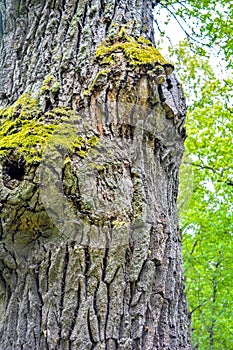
207,219
206,190
207,23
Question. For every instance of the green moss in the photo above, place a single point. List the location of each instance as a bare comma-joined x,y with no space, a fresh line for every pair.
119,223
21,131
96,166
66,137
25,130
99,76
47,84
82,153
138,52
93,141
60,113
25,105
50,85
55,87
28,229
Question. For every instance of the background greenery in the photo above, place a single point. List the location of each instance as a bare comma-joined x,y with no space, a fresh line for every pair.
206,191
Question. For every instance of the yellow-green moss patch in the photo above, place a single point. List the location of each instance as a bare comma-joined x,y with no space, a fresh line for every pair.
25,130
50,85
99,76
137,51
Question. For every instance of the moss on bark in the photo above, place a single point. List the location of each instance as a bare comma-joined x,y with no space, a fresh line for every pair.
26,128
137,51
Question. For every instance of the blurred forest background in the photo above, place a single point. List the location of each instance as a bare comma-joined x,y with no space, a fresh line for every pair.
204,64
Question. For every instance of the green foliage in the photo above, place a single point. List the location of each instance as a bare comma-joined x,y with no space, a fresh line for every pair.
207,219
207,23
216,23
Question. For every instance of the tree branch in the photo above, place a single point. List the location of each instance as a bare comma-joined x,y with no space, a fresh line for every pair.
197,307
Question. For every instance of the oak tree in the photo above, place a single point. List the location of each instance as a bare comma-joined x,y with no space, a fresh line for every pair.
91,143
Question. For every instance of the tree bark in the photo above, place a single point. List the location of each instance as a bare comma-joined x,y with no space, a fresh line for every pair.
90,254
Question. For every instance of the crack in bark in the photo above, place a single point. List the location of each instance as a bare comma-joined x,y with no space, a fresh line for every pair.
104,268
87,268
96,308
47,271
62,293
41,303
107,315
74,320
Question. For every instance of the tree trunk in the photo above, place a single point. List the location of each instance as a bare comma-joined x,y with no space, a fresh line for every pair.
90,254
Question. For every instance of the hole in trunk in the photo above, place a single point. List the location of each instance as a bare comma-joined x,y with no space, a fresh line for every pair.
14,169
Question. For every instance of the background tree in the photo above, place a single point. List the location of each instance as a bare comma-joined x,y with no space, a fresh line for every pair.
90,244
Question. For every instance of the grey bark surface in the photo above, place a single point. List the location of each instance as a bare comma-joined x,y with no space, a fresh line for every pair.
113,278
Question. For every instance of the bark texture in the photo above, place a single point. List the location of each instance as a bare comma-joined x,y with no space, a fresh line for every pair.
60,37
90,251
